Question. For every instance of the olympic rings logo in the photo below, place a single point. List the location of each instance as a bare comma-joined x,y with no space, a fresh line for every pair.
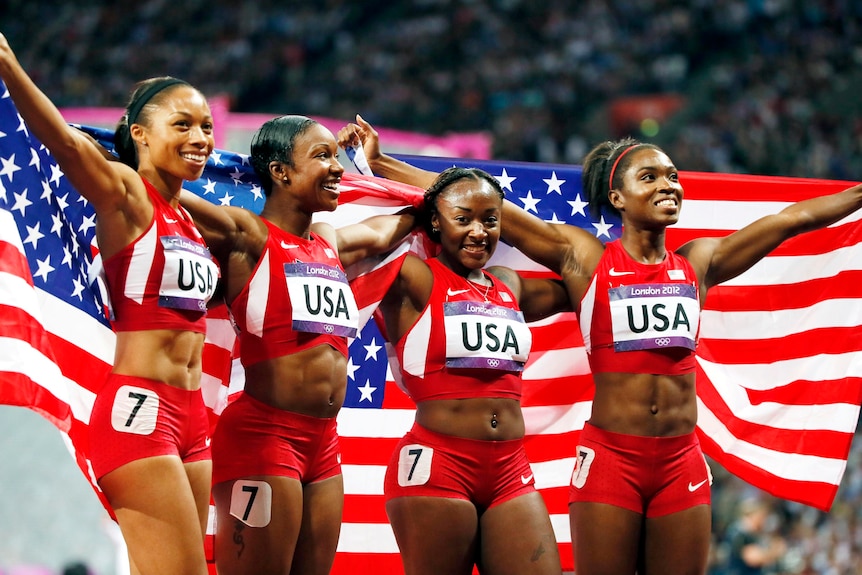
494,362
329,329
662,341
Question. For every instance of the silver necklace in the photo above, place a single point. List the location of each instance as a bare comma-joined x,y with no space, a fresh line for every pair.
478,291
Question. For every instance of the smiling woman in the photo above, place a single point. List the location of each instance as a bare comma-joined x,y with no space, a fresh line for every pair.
148,429
639,307
277,481
459,489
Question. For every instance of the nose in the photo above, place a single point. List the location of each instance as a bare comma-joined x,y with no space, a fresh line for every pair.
336,166
477,230
199,136
669,184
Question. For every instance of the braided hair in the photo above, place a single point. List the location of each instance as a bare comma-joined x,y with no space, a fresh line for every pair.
443,181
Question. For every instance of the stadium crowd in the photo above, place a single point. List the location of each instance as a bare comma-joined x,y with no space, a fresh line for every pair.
768,83
814,542
769,88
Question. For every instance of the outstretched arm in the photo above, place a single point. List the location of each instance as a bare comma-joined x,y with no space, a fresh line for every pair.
564,249
719,259
557,247
373,235
103,182
382,164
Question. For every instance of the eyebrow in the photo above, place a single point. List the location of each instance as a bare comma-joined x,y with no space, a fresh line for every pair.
322,144
187,114
658,168
465,209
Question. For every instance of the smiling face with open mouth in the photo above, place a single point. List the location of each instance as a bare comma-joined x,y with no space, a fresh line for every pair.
316,170
468,217
651,194
178,136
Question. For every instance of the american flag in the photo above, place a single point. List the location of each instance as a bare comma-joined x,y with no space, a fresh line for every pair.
779,362
777,382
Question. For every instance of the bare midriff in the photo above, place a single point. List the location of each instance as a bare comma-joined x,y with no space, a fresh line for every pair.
311,382
484,418
645,404
170,356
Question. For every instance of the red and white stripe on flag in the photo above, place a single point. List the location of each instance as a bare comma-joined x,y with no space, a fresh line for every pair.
779,360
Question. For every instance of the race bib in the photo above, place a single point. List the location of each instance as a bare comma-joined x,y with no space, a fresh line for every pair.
251,502
135,410
485,336
414,465
322,300
650,316
190,275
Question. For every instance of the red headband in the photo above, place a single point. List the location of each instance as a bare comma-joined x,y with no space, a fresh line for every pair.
614,168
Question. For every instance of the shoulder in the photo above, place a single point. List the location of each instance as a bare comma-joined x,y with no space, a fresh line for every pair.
327,232
699,253
506,275
416,274
415,281
415,266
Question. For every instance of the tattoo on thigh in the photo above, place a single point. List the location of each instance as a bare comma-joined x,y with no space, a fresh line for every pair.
538,552
239,527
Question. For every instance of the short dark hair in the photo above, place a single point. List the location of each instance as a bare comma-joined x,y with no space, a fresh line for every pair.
273,142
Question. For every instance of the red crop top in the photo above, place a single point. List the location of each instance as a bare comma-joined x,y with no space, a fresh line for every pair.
467,343
641,318
296,298
163,279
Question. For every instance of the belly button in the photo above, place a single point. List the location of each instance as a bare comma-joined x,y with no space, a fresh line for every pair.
653,409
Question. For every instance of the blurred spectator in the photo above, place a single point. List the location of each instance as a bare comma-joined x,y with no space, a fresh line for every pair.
76,568
816,543
752,548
